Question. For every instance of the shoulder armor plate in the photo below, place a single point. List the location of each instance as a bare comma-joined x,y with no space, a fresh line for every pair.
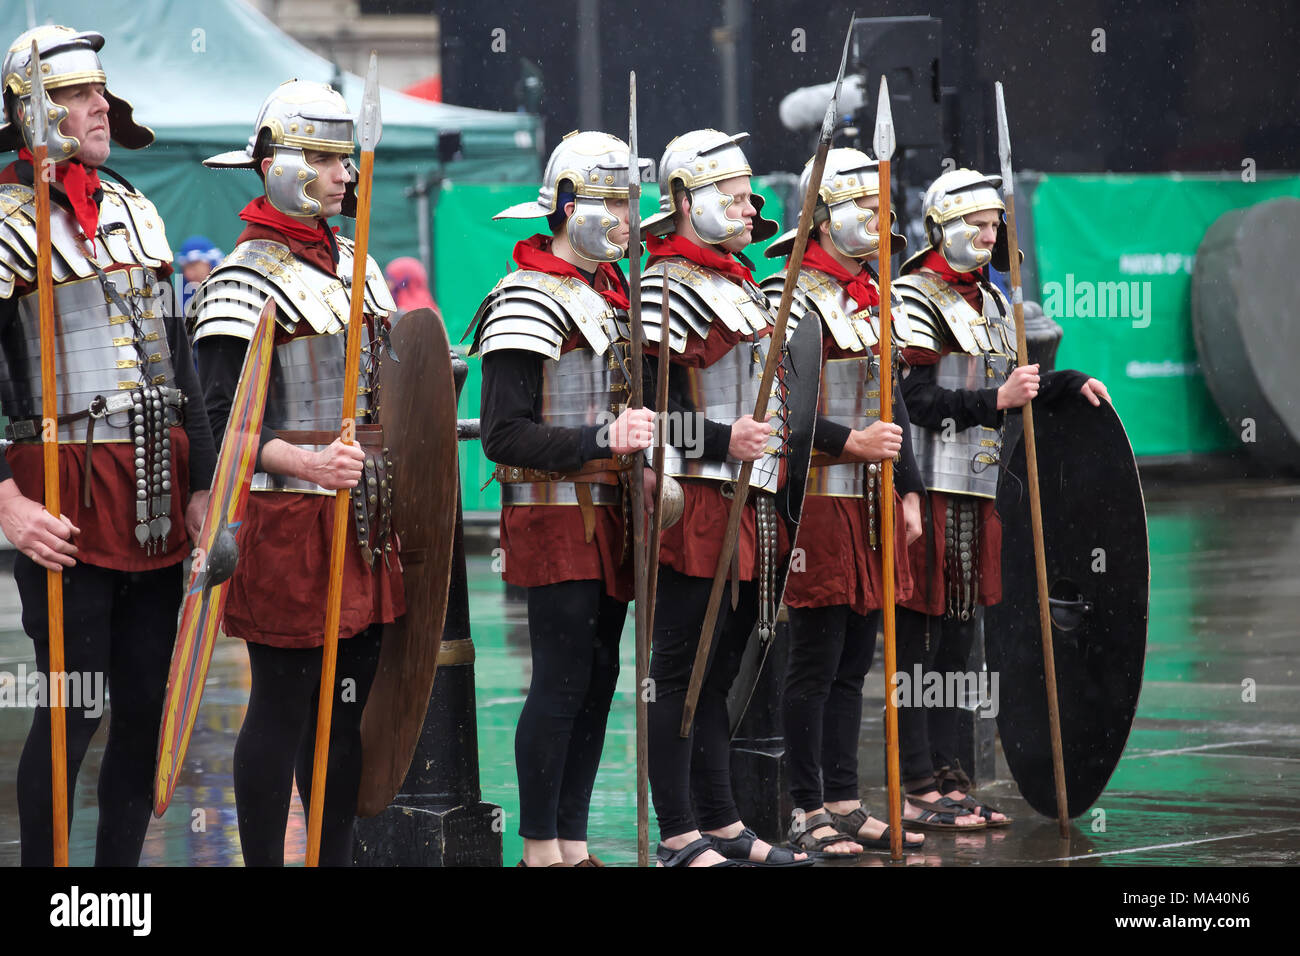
697,298
131,233
536,312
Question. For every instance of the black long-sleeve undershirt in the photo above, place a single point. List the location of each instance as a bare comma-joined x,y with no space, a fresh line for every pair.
510,409
221,361
931,405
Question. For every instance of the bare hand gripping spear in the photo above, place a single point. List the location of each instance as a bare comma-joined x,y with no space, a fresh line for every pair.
730,535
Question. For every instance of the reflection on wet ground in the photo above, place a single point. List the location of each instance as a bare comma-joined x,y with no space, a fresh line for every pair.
1209,776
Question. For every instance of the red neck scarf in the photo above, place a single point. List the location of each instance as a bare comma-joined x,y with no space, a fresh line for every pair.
967,284
535,253
859,286
80,183
261,212
675,245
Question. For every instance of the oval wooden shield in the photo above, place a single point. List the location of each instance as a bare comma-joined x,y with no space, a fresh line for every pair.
1098,574
417,407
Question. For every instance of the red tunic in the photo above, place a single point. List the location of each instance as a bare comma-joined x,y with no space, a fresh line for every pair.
929,595
278,593
107,538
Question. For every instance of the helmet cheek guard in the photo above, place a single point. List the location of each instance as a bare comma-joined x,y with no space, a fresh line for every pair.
709,218
591,228
851,230
287,180
958,246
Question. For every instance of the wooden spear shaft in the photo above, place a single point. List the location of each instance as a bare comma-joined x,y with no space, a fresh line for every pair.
1031,460
636,399
338,540
884,143
50,450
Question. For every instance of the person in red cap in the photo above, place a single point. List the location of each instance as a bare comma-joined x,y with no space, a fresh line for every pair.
135,451
409,284
554,340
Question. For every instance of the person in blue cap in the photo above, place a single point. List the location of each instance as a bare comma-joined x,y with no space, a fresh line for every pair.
199,255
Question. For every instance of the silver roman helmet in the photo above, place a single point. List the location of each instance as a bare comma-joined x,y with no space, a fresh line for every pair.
850,174
68,58
951,197
696,162
300,116
591,167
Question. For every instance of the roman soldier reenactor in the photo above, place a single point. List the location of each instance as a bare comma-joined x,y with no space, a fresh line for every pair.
961,383
301,148
700,296
135,451
834,596
554,340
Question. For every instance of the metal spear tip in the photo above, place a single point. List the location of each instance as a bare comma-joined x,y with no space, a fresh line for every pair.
828,121
633,168
883,141
40,124
372,125
1004,132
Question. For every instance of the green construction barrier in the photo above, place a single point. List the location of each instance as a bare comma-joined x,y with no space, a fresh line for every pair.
1115,259
471,254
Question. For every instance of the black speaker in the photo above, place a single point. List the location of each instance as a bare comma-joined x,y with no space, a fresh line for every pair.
906,51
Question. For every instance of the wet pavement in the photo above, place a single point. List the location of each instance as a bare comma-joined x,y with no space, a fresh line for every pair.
1211,775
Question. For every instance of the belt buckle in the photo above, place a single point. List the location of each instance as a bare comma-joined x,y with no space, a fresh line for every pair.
728,490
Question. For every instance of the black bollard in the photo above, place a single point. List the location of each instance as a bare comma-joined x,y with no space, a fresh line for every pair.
439,817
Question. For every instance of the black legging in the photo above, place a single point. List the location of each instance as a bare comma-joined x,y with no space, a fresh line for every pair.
278,739
121,626
697,769
927,736
831,649
574,629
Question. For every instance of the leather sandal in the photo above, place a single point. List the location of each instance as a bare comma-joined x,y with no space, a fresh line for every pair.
682,858
938,815
739,847
818,847
591,860
851,824
954,778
